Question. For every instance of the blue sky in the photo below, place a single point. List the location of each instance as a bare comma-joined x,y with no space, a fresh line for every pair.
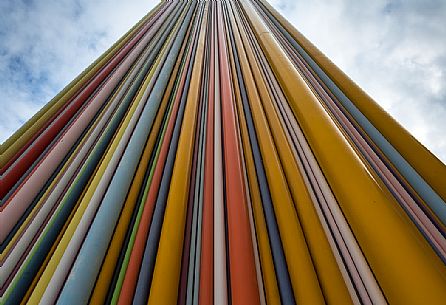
395,50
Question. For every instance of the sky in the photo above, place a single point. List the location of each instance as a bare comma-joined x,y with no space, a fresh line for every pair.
394,50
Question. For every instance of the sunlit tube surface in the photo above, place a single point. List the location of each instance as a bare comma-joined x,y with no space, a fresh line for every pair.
213,155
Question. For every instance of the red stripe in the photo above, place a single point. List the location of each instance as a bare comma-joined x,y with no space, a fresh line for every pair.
244,288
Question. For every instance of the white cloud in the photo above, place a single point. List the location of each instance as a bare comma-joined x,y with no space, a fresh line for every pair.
46,44
395,50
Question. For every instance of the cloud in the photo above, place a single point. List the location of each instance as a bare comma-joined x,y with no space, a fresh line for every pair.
395,50
46,44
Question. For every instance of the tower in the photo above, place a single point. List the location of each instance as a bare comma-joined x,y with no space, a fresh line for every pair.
214,155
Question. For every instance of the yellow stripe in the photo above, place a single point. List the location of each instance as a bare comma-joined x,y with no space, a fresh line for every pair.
328,272
393,246
164,289
293,239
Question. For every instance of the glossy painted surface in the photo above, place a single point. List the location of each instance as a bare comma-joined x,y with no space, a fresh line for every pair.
214,156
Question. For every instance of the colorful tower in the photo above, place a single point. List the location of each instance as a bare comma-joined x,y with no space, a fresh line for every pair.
214,156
